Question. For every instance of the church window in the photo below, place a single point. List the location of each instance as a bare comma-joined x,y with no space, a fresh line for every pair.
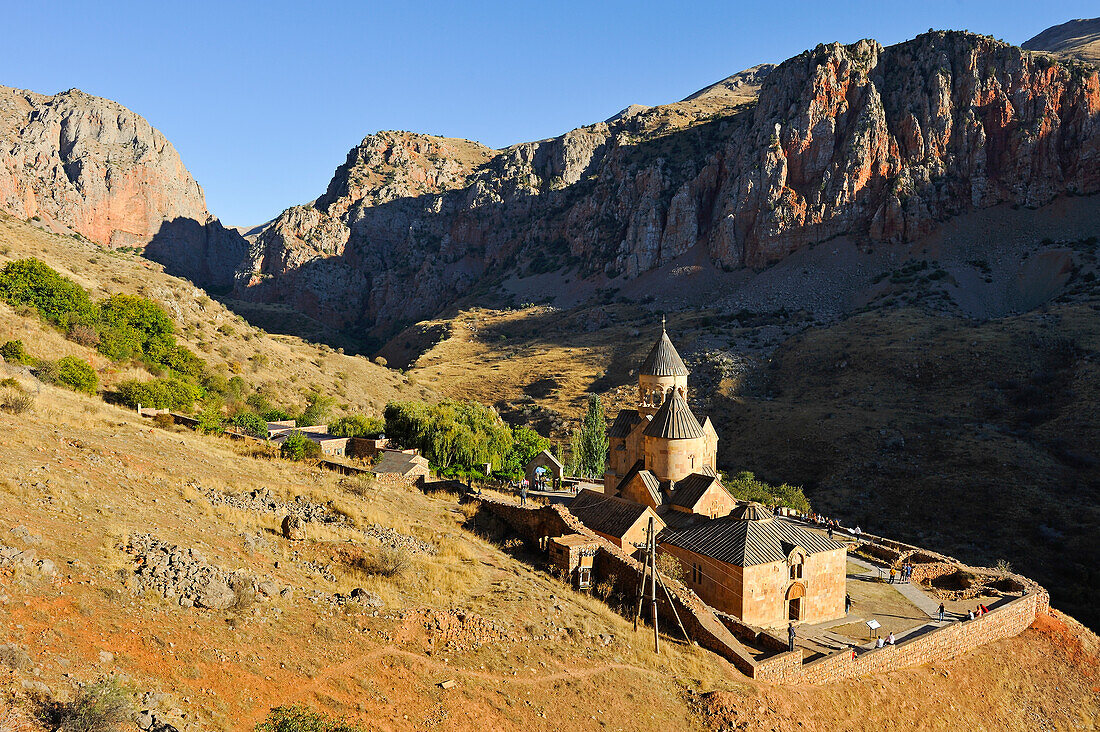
796,567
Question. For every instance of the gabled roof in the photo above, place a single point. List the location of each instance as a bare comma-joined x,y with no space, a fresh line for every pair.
549,455
689,490
606,514
674,420
752,511
652,484
624,423
393,461
746,543
663,360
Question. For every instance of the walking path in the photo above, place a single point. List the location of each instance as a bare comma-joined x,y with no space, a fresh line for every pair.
911,592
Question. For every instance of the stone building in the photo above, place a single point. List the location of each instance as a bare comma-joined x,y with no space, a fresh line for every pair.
555,471
660,444
739,558
765,570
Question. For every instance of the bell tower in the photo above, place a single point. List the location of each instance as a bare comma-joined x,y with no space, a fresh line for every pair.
662,372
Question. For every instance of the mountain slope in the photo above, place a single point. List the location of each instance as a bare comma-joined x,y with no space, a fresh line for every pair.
88,165
876,144
1077,39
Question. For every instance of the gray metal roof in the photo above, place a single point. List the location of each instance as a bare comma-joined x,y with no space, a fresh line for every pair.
689,490
624,423
652,484
746,543
606,514
752,511
674,420
663,360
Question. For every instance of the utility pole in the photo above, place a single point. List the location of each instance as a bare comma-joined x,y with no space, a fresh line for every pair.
652,549
641,580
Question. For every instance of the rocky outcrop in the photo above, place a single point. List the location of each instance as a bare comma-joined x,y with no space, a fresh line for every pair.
89,165
878,144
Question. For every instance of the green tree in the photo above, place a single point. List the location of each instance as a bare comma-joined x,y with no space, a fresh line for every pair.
592,442
158,394
747,487
184,364
451,433
526,444
251,424
135,327
318,408
297,446
76,374
59,300
210,420
357,425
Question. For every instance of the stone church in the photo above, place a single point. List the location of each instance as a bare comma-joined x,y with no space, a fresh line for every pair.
736,556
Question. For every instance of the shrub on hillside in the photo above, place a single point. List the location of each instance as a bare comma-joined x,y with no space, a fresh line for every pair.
135,327
164,421
210,421
158,394
318,408
184,363
101,707
71,372
57,299
14,399
251,424
357,425
299,447
300,718
84,335
15,352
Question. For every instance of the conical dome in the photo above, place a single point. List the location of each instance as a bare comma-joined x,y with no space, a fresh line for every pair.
752,512
663,360
674,420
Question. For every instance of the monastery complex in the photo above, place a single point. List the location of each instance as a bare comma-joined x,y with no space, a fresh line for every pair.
738,557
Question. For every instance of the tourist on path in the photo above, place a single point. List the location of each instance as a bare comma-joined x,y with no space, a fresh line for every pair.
790,636
893,573
847,603
890,639
941,611
523,493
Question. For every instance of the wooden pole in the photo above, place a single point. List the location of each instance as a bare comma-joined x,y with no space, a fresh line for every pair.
641,586
675,612
653,584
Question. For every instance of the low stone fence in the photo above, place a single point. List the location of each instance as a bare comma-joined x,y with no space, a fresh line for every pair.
937,645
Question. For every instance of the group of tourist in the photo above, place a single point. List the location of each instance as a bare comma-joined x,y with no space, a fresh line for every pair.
829,524
906,573
977,612
889,640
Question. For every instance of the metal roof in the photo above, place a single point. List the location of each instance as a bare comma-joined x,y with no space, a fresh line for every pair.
689,490
752,511
663,360
746,543
624,423
606,514
652,484
674,420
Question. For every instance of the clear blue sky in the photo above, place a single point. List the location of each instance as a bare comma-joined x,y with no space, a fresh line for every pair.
263,100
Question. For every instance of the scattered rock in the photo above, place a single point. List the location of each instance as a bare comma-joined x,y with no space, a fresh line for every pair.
292,528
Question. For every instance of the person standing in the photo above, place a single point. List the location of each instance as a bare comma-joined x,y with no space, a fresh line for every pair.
941,612
523,493
847,603
893,573
790,636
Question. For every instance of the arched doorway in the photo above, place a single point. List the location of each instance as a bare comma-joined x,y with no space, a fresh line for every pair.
795,595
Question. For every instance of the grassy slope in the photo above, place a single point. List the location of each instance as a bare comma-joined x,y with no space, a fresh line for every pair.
83,475
286,367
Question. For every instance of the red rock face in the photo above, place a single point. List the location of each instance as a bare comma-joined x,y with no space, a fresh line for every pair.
878,144
93,166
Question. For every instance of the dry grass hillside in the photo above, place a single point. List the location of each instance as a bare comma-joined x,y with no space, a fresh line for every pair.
81,478
281,367
1074,39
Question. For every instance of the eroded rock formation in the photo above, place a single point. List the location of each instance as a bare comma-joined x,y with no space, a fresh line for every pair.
875,143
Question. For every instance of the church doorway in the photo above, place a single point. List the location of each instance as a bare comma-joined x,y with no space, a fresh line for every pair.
795,593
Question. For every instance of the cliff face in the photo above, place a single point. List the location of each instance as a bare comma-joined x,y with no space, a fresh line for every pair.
875,143
96,168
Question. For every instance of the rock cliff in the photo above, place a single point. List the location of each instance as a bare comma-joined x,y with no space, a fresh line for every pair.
91,166
878,144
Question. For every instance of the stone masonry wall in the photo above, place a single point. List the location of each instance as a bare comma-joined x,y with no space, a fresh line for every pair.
939,645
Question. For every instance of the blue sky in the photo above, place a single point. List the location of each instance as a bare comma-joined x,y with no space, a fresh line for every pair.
263,100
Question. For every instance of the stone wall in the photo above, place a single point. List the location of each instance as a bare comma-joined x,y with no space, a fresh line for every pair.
938,645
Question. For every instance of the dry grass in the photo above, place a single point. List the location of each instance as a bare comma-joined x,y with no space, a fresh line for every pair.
281,367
